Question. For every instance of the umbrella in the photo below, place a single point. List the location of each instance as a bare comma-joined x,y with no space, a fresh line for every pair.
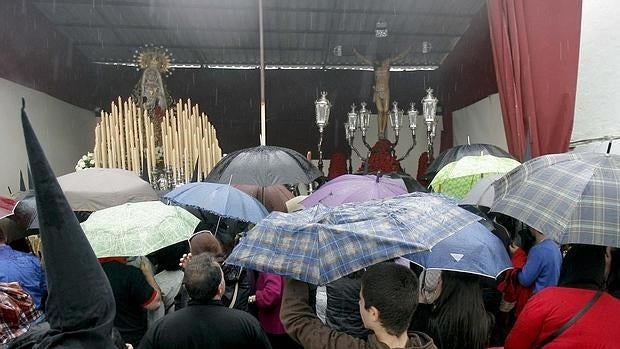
220,199
137,229
24,220
273,197
322,244
355,188
473,249
7,205
611,146
482,193
26,211
94,189
571,198
456,153
458,177
264,166
411,183
294,204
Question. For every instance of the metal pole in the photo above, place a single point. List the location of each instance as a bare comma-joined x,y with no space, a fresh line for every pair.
263,131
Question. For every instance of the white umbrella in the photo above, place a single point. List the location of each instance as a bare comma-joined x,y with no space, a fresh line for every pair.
482,193
94,189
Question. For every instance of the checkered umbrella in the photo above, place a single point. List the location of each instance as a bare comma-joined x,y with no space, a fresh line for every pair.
572,198
322,244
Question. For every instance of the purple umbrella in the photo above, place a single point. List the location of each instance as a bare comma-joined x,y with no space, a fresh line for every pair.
355,188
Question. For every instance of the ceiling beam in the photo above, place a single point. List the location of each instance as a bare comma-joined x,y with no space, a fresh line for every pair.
166,4
202,47
184,28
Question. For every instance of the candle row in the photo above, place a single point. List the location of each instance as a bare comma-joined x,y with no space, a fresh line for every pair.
125,138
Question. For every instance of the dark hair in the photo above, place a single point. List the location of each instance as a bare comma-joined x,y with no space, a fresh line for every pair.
168,257
583,267
613,280
205,242
393,290
202,277
459,319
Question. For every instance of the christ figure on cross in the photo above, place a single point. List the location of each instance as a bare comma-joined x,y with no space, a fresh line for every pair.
382,86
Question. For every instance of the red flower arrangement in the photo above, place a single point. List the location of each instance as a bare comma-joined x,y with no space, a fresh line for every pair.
382,159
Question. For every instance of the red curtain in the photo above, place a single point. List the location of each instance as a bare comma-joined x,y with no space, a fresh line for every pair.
536,53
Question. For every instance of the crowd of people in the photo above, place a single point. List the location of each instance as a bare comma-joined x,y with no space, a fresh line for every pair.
186,296
205,303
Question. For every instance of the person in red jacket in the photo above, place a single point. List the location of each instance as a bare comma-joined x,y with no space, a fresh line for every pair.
584,272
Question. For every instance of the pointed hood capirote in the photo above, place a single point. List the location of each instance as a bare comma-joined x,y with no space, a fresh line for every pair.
80,307
22,184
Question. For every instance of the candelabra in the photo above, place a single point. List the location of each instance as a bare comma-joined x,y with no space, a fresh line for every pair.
361,120
322,107
429,107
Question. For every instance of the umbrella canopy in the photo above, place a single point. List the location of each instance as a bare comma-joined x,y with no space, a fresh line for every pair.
322,244
7,205
355,188
264,166
482,193
94,189
457,178
137,229
23,221
458,152
26,211
571,198
220,199
473,249
294,204
611,146
273,197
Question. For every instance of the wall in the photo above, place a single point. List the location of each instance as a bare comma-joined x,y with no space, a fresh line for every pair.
467,75
482,122
596,105
64,130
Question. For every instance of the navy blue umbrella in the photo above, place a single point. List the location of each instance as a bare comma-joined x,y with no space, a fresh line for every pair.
473,249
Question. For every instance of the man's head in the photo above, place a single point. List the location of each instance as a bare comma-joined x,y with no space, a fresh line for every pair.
204,279
388,298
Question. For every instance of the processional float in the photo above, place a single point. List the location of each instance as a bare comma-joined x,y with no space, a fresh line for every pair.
148,134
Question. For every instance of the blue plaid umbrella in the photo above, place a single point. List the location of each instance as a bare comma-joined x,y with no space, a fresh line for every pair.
473,249
571,198
220,199
322,244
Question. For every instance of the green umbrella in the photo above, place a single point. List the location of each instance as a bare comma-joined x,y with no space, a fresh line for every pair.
137,229
457,178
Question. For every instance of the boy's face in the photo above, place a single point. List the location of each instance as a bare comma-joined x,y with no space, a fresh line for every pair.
369,316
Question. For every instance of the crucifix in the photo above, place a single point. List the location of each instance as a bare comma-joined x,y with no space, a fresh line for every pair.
381,88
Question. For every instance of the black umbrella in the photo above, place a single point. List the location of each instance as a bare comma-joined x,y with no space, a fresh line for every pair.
460,151
264,166
80,306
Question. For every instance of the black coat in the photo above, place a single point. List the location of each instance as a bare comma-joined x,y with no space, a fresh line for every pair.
204,326
342,313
